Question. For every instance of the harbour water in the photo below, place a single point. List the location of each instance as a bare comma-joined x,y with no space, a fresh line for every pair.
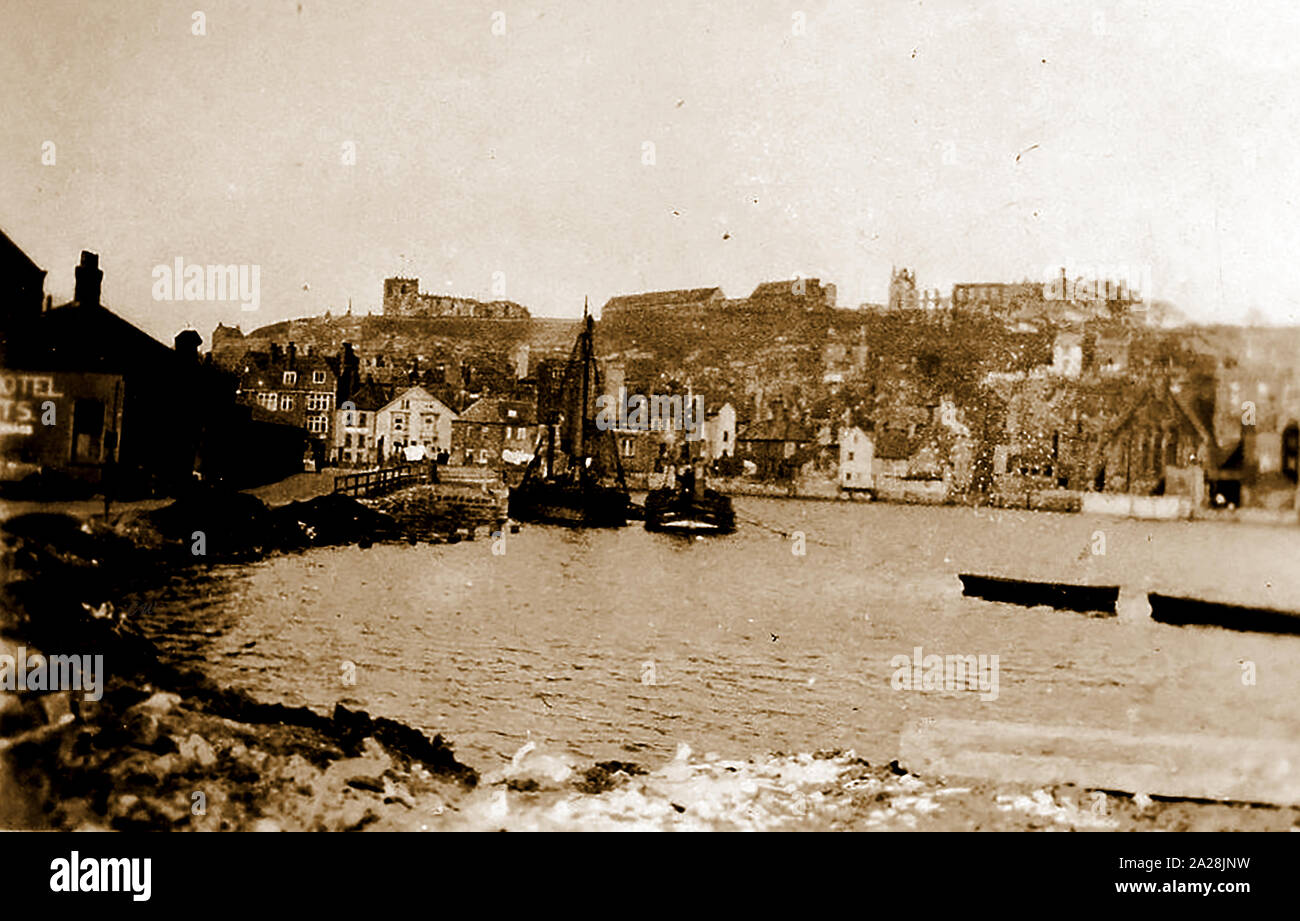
622,644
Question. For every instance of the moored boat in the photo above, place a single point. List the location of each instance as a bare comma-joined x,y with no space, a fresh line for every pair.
1026,593
1170,609
688,506
572,504
575,477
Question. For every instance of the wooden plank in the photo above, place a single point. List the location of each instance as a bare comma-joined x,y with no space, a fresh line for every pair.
1175,765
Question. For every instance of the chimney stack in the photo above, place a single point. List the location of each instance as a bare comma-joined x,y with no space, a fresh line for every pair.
89,280
187,344
291,353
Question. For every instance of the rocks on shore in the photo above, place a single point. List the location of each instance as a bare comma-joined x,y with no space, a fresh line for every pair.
234,524
165,747
443,513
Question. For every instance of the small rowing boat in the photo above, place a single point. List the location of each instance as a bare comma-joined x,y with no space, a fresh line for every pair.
1168,609
1023,592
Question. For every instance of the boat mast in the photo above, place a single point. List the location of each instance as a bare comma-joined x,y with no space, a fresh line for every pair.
586,363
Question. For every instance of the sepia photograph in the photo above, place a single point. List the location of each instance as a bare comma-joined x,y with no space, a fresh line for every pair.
731,416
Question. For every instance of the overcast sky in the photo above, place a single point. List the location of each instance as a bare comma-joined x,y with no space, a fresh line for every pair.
972,142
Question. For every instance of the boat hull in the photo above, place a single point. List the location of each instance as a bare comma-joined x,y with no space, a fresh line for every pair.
671,512
1082,598
570,506
1168,609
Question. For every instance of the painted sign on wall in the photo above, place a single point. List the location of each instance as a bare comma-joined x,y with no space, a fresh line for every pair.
26,400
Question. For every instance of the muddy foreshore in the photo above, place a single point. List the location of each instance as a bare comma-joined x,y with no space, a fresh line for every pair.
166,748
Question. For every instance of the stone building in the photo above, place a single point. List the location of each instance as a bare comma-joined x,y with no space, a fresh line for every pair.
902,290
355,443
403,298
1165,428
494,433
299,389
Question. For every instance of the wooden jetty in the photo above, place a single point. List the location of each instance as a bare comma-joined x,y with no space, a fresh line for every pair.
381,480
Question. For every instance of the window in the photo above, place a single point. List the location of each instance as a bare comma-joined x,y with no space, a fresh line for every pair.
291,377
406,404
269,400
361,418
428,419
485,431
318,377
399,422
850,456
629,449
318,425
87,431
318,401
482,456
286,401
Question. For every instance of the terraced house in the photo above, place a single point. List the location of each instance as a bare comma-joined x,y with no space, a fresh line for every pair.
355,441
496,433
298,389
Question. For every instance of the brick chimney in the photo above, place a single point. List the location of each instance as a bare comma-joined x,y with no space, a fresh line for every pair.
89,280
187,344
291,356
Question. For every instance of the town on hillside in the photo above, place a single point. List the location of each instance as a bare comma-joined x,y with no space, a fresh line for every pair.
990,393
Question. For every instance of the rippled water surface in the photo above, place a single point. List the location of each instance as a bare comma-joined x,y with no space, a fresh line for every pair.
751,647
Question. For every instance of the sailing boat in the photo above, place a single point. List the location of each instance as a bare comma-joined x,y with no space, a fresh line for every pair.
581,484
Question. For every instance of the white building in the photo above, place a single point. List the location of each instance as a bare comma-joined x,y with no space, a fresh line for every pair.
413,417
720,432
857,451
1067,355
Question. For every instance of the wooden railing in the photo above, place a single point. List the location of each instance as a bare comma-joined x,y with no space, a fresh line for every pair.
377,482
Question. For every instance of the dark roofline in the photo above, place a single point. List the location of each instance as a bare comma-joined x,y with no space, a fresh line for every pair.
5,238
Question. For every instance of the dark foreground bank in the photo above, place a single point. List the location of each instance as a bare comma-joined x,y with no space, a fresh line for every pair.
158,747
